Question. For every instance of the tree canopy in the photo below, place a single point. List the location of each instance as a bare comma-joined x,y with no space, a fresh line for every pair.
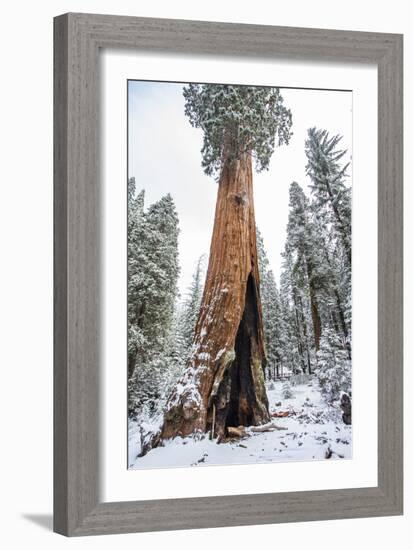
235,120
331,196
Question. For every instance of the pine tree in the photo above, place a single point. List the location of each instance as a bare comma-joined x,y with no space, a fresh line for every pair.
302,242
136,238
271,312
160,282
152,288
335,284
332,209
175,358
295,310
288,349
334,368
191,306
332,197
287,390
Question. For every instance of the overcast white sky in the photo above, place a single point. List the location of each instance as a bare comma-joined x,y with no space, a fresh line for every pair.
164,157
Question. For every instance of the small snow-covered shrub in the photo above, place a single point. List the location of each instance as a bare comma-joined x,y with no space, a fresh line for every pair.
270,386
334,368
298,379
287,390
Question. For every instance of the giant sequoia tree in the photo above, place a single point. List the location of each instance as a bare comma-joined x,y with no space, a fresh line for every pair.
223,383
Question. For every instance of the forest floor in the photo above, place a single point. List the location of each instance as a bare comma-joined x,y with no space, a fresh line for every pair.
310,431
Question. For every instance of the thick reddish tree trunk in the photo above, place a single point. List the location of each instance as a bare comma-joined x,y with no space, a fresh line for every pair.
223,384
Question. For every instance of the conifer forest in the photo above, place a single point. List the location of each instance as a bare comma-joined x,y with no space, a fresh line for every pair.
240,326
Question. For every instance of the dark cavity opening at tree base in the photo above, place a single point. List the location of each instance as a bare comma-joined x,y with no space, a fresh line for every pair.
236,403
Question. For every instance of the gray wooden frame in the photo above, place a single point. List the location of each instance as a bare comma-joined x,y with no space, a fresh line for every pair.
77,506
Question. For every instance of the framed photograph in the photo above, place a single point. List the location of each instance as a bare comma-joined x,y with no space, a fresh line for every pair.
228,274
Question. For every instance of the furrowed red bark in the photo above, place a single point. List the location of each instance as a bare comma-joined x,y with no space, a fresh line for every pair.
226,369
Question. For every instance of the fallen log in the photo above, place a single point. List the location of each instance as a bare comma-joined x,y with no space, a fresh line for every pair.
237,432
270,427
280,414
242,431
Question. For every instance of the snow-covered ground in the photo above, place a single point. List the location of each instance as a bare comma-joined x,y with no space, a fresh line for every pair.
312,431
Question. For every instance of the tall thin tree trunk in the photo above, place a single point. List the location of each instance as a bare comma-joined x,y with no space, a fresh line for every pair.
342,321
340,309
298,324
226,369
315,315
346,239
304,325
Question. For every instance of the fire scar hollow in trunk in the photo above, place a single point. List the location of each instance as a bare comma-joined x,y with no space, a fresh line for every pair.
223,384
